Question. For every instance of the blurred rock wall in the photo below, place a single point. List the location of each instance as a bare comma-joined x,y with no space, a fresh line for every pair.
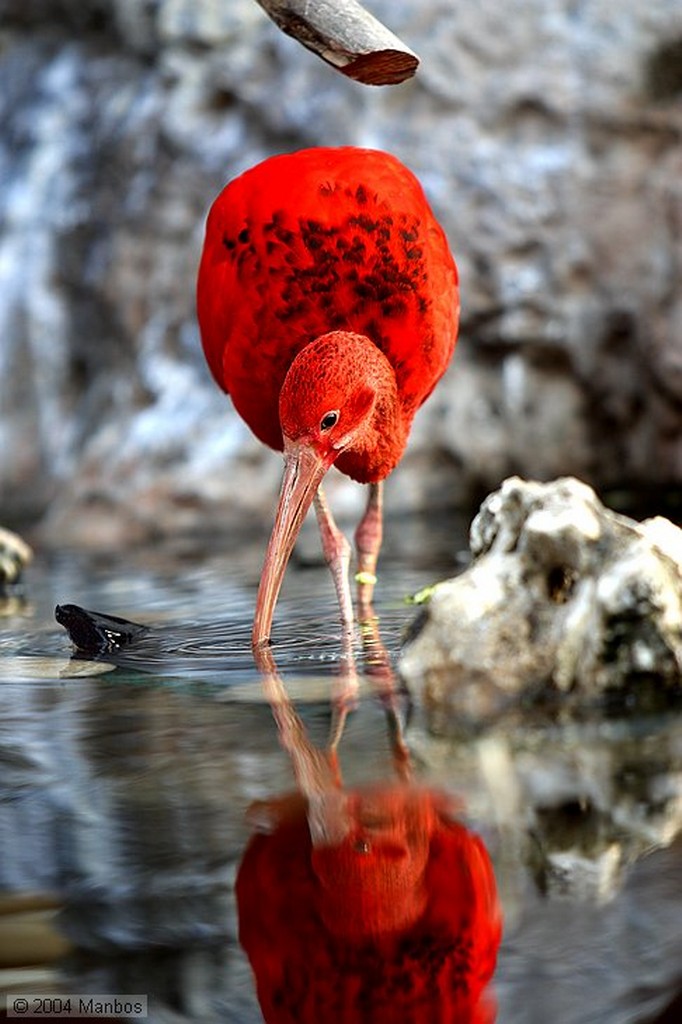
547,134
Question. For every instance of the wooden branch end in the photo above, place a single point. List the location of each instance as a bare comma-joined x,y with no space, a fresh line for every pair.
346,36
382,67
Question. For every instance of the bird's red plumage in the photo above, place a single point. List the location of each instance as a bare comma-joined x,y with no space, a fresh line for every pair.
316,241
433,969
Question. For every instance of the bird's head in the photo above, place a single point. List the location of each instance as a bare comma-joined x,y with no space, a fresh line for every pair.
329,404
330,392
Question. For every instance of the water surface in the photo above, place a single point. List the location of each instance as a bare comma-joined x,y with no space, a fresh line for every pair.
124,793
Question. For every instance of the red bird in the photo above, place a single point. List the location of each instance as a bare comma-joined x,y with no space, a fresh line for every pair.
328,306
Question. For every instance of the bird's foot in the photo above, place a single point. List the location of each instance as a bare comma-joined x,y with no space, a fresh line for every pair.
366,581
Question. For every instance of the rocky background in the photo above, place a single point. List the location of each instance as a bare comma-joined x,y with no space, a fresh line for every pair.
548,136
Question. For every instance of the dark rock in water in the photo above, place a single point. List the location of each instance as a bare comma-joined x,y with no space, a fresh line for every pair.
94,633
563,597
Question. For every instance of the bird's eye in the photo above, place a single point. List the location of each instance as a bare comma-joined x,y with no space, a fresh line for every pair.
329,420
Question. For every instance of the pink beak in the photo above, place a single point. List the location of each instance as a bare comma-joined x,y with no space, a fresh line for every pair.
304,469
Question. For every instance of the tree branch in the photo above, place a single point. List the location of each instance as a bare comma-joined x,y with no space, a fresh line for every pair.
346,36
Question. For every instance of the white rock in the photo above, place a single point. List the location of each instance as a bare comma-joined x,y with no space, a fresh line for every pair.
562,594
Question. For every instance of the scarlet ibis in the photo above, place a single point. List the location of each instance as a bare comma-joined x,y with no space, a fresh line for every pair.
328,306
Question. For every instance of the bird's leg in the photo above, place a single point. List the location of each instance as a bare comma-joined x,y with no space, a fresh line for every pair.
368,542
378,666
379,671
337,552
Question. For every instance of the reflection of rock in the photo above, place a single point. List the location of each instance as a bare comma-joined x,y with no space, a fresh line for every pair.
592,812
562,594
602,964
576,804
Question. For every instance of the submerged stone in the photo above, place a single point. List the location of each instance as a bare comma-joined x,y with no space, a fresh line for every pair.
33,667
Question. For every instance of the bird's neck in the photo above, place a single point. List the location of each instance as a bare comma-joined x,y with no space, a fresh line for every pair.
380,445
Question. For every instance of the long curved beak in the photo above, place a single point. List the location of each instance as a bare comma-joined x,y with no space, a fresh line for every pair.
304,469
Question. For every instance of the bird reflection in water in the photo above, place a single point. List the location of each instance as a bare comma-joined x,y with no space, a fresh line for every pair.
373,904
